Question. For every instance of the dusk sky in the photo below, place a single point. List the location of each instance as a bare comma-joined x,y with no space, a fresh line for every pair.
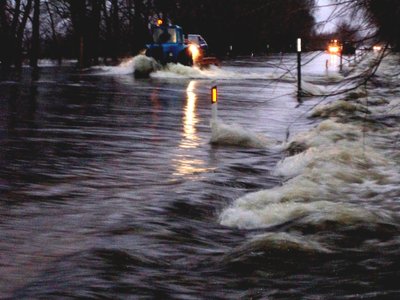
322,14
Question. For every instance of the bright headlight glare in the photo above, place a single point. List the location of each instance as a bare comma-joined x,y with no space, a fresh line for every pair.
194,50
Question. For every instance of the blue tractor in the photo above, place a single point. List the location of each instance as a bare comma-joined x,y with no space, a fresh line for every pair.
169,45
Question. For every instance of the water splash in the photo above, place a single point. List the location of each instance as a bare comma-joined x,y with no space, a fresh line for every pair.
143,66
174,71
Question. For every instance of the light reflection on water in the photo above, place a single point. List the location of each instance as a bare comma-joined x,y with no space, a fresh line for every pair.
190,120
186,163
334,61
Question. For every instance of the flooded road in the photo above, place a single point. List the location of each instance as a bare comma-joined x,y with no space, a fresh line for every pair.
111,188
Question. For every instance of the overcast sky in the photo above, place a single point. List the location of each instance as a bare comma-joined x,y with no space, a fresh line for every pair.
322,15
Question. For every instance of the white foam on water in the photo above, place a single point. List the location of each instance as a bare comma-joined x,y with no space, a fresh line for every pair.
338,108
343,163
235,135
312,89
326,179
323,191
148,65
128,66
294,165
177,71
327,132
334,76
228,73
260,211
144,64
344,178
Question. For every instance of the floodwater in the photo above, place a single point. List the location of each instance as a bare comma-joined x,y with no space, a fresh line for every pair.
116,188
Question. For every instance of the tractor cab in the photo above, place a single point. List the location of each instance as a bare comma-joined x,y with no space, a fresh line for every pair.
167,35
169,45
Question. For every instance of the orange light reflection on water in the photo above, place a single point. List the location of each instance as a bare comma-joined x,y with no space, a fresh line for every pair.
186,163
190,119
334,60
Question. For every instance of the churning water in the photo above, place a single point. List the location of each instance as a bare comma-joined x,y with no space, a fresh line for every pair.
115,187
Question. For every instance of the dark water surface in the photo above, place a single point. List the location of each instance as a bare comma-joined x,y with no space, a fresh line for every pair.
109,188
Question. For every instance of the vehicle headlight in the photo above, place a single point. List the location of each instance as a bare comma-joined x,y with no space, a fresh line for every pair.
195,51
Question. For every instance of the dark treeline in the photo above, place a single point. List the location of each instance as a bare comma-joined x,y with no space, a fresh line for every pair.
385,14
111,29
369,21
247,26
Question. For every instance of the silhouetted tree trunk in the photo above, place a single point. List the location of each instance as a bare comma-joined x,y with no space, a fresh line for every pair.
35,35
95,32
79,21
139,25
4,36
12,30
115,30
55,42
20,34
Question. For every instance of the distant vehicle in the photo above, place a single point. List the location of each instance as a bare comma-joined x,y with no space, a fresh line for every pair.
348,48
198,40
200,52
334,47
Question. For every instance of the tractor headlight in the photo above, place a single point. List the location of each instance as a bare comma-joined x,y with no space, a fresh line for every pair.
194,51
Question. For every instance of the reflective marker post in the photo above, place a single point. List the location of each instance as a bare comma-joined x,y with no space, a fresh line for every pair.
214,102
299,91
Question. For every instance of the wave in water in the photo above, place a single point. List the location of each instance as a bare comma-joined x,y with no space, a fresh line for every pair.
338,108
149,67
340,181
235,135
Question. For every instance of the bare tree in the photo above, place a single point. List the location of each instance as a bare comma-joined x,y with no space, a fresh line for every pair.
35,35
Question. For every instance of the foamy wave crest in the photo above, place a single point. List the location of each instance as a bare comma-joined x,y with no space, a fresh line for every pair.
214,72
144,65
328,132
340,164
124,68
140,63
338,108
280,242
311,89
283,241
173,71
334,76
294,165
321,194
325,181
262,212
235,135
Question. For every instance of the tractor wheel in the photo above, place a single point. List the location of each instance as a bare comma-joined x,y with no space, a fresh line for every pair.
156,53
185,59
